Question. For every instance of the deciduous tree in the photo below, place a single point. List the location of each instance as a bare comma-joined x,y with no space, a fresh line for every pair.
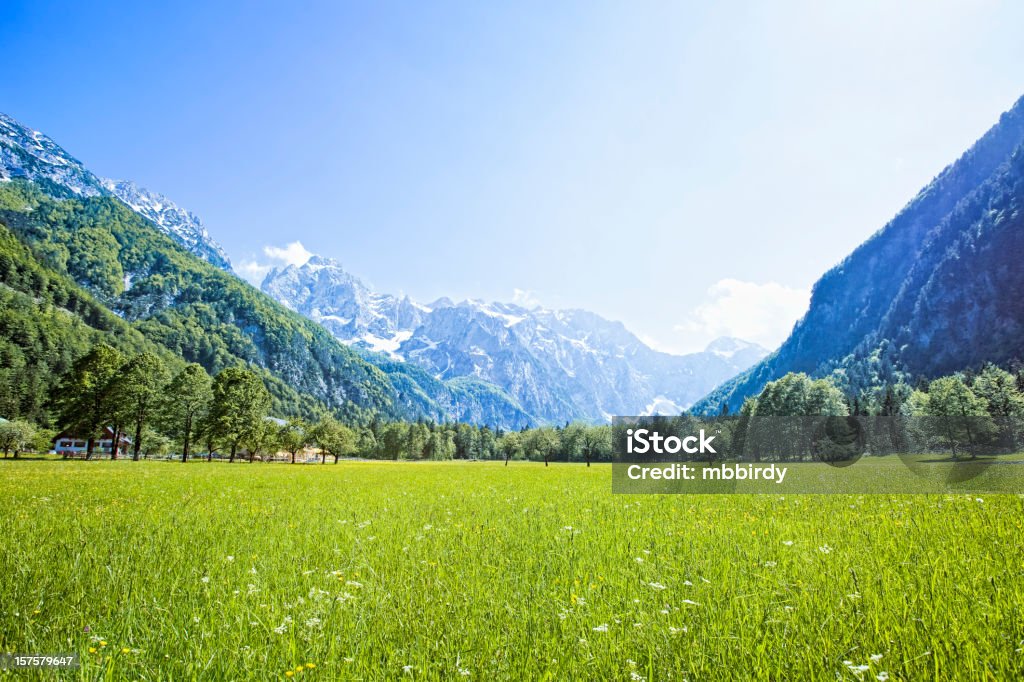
240,400
85,396
186,402
137,393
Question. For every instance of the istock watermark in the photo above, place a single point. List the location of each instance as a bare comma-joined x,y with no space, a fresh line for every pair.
862,455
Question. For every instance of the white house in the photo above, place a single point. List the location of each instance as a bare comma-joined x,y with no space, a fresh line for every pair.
71,445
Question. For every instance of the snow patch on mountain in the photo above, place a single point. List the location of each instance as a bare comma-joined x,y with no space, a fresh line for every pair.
558,364
179,223
29,154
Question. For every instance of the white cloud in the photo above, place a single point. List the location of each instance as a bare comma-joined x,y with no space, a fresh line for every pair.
762,313
292,254
252,271
255,270
525,298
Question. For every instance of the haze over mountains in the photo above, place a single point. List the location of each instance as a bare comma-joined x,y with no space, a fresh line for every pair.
492,363
939,289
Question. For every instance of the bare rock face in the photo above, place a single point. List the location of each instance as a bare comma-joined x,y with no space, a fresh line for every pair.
559,365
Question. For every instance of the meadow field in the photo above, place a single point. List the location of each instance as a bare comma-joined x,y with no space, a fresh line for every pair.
471,570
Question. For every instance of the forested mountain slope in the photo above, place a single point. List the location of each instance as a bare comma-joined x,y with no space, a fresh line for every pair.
30,155
937,290
94,264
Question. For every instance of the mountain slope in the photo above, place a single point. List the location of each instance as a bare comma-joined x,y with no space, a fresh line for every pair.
180,224
185,305
74,272
47,322
137,255
28,154
559,365
939,287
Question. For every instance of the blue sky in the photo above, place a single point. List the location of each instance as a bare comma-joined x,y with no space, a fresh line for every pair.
688,169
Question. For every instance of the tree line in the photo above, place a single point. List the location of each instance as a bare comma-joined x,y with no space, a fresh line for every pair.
964,412
159,412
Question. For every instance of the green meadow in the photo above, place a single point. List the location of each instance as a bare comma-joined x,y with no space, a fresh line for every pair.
474,570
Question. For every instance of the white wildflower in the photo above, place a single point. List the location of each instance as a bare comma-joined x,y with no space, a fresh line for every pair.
601,628
656,586
857,670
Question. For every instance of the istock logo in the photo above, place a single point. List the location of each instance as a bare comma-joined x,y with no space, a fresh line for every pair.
643,441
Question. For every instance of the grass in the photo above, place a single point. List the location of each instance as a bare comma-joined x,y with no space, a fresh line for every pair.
155,570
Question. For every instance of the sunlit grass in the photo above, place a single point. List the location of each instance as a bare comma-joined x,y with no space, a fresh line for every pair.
155,570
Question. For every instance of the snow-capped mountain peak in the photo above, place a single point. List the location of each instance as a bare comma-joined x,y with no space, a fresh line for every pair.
179,223
558,364
31,155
